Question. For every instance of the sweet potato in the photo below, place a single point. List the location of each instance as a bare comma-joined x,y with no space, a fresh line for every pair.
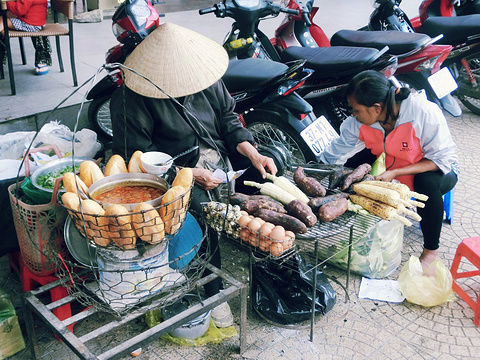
303,212
356,175
251,206
287,221
332,210
308,184
315,203
337,177
238,198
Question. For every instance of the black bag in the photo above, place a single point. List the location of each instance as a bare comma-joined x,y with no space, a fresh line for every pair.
283,293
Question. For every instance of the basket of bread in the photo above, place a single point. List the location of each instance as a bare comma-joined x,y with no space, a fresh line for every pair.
123,204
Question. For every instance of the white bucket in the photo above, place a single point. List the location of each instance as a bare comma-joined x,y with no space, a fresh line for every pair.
127,277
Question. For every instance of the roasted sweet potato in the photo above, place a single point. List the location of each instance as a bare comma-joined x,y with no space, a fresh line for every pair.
337,177
309,185
238,198
356,175
287,221
332,210
303,212
251,206
315,203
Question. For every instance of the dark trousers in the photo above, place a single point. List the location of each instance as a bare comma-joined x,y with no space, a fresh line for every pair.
434,184
210,246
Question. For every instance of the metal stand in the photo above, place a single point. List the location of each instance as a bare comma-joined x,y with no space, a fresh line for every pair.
79,346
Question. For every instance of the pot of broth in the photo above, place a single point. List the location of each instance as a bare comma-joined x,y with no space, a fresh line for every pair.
129,190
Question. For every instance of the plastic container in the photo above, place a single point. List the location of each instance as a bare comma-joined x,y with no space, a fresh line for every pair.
194,328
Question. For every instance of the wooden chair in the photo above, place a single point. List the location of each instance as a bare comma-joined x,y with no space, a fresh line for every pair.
65,7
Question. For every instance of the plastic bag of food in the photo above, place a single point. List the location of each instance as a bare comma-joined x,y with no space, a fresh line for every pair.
376,253
425,290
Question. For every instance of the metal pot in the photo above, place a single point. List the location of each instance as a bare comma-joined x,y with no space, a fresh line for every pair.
128,179
194,328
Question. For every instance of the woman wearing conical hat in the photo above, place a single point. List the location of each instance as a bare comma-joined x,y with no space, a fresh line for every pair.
173,99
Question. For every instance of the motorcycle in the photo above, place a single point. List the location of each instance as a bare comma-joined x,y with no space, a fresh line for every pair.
264,92
418,56
333,67
461,32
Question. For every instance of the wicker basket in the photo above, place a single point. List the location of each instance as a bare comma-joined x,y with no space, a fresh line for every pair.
114,231
40,233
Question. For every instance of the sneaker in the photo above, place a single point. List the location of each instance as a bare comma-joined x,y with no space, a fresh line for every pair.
41,69
222,315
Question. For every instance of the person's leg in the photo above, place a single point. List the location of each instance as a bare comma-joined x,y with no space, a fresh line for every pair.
434,185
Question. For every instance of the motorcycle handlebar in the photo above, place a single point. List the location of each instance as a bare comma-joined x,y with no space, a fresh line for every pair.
289,11
207,10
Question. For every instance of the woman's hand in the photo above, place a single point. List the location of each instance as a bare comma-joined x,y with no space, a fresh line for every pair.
259,161
388,175
205,179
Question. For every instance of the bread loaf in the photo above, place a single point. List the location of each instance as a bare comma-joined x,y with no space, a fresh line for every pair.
183,178
71,200
148,224
90,172
135,165
171,210
116,165
96,226
121,227
70,181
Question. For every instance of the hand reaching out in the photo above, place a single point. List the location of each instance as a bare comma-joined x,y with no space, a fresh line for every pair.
205,179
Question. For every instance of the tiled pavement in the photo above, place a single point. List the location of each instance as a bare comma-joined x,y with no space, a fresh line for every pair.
357,329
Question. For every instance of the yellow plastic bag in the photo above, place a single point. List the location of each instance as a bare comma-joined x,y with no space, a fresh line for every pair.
426,290
212,335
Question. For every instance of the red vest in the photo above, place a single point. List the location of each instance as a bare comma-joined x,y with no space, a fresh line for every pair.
401,146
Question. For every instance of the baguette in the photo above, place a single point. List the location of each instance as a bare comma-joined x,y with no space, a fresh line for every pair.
135,165
116,165
183,178
95,223
71,200
121,228
70,182
148,224
90,172
172,208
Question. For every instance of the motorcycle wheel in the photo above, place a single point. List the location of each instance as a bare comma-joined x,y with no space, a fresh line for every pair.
468,95
282,142
100,119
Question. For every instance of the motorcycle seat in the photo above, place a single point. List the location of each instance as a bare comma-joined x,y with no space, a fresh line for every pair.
333,61
455,29
398,42
251,73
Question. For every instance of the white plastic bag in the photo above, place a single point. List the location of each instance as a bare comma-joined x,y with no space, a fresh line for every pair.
54,133
422,289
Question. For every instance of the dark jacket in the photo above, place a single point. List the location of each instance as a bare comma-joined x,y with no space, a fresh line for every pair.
149,124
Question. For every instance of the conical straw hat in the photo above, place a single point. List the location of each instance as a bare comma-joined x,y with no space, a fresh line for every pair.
178,60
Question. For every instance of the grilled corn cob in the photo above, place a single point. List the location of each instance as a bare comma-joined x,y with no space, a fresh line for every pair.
379,209
288,186
402,189
402,210
273,191
386,196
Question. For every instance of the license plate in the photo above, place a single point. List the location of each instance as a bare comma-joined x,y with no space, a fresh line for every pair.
318,135
442,82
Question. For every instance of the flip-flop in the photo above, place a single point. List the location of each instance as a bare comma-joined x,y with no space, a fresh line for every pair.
41,69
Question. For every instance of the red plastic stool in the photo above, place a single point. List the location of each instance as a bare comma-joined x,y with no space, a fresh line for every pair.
31,281
470,249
